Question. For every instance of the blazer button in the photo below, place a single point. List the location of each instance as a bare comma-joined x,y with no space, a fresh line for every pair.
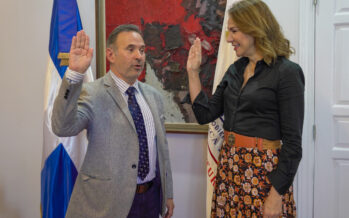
134,166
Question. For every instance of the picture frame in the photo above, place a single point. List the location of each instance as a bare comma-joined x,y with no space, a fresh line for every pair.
172,126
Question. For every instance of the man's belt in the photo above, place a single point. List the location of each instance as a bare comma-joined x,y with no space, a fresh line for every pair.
141,188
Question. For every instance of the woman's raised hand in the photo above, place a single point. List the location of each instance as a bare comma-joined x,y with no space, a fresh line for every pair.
194,57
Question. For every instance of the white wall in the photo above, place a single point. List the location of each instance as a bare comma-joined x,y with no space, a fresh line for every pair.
188,159
24,40
23,57
287,14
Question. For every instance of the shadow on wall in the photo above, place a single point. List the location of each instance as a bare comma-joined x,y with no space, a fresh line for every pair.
6,211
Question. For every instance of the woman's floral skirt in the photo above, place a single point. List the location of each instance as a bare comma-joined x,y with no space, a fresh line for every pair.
242,184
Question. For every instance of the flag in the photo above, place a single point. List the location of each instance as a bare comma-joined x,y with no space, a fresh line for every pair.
61,157
226,56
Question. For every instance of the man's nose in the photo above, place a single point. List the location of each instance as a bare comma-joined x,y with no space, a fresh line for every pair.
138,54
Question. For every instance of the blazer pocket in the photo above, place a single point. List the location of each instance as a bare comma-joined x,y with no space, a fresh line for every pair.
88,176
95,193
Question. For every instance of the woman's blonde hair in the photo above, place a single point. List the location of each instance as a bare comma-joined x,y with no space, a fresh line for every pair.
253,17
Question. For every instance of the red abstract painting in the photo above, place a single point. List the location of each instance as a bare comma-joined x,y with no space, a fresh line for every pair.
169,27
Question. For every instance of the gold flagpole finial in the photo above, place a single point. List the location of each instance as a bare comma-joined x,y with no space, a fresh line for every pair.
64,57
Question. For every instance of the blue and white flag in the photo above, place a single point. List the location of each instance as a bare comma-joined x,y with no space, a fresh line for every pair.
61,157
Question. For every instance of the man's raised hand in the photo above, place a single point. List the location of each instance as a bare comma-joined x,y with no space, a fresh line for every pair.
81,54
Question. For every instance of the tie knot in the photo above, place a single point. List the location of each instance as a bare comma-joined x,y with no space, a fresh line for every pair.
131,91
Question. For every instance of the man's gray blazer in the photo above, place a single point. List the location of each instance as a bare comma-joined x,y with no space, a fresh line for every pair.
106,183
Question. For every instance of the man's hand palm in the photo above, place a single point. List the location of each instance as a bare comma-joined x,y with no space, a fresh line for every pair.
81,54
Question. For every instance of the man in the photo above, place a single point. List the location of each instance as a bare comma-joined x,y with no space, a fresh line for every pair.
126,171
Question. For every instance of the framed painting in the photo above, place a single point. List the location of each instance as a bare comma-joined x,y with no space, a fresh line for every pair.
169,28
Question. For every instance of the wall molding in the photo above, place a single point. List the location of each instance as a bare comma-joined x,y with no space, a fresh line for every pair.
305,178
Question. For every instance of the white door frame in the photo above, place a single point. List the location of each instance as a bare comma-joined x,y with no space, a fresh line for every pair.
305,178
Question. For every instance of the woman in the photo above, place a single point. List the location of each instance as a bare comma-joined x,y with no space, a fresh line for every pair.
262,99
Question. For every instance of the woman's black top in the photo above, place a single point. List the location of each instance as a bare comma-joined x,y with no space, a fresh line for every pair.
270,106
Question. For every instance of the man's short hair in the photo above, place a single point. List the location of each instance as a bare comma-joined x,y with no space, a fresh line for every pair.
119,29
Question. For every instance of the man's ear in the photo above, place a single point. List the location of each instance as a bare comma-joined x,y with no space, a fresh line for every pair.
110,55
